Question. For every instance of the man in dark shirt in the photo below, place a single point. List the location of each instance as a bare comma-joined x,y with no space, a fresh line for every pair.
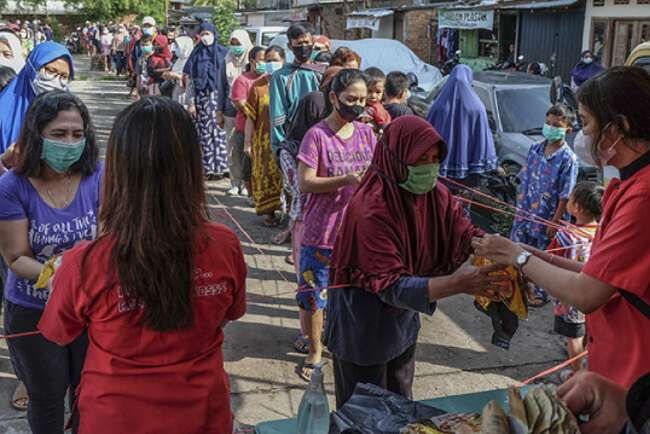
396,92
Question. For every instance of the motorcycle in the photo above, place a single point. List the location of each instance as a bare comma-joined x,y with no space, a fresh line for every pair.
451,63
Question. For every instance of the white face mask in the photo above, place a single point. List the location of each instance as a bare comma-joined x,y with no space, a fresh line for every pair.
207,40
582,148
587,60
45,82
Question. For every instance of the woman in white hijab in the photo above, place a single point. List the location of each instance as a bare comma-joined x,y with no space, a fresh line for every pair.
11,51
236,61
182,49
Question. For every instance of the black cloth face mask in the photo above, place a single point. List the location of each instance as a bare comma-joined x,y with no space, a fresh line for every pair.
350,113
302,52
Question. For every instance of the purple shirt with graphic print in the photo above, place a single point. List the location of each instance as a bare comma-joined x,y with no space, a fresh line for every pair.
51,230
330,155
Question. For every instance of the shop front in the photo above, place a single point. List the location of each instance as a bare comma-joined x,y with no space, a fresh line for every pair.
484,37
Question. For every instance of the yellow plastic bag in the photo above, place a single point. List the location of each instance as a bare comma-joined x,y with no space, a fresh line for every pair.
513,295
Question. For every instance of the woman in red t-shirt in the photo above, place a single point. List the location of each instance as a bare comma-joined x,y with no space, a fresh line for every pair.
613,288
154,290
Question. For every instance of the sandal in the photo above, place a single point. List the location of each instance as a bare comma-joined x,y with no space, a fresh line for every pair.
304,371
20,400
270,222
289,260
281,238
301,344
537,302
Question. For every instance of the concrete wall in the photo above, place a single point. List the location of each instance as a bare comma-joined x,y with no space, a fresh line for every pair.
634,10
416,33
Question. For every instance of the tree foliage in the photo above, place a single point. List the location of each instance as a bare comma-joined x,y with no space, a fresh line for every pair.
103,10
224,17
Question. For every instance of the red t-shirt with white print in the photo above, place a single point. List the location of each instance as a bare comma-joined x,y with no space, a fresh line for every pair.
136,379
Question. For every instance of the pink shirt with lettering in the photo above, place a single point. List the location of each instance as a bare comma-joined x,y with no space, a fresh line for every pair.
131,369
330,155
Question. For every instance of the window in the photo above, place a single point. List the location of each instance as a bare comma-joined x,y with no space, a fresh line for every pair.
643,2
484,96
523,110
621,2
599,3
599,41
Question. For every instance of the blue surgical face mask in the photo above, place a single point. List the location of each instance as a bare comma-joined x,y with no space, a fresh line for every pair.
553,134
60,156
271,67
148,31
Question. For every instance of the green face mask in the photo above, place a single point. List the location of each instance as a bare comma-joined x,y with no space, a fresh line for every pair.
421,179
237,50
60,156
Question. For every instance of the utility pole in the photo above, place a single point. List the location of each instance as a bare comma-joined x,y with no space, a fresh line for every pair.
166,13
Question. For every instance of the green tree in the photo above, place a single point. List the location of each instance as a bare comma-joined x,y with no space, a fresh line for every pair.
224,17
104,10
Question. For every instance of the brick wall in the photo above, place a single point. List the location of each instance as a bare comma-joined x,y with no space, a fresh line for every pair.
417,29
413,33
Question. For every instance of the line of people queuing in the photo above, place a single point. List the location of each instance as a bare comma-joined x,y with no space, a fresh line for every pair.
371,218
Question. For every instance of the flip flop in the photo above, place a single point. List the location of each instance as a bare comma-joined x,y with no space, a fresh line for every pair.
278,240
304,368
20,400
289,260
301,345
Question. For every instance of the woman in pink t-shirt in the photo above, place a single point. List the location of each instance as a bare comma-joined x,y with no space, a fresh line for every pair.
333,157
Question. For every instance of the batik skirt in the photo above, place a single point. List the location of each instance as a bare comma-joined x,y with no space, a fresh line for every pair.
211,137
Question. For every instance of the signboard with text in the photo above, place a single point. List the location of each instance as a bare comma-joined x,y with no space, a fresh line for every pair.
466,19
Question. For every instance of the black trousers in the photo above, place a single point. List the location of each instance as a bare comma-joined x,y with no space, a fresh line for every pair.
395,376
47,369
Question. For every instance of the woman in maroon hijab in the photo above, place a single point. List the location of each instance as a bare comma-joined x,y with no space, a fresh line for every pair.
404,244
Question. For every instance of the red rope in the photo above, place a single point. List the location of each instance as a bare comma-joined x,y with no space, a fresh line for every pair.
20,335
519,211
555,368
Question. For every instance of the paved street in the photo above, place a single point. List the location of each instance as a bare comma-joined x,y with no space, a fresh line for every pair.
454,353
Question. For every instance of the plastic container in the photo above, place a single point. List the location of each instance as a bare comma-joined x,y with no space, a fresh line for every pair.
314,410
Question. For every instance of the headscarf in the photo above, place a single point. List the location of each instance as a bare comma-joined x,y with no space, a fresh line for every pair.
311,110
388,233
16,97
185,46
16,48
583,72
461,119
206,63
236,66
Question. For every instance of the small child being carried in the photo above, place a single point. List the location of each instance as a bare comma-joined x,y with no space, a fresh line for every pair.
375,114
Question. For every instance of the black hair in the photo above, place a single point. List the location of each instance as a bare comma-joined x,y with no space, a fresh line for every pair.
374,75
344,79
251,56
396,83
617,95
563,112
43,110
324,57
276,49
589,197
146,38
6,75
297,30
535,68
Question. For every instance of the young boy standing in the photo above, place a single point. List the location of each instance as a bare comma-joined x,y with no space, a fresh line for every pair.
396,91
585,205
546,182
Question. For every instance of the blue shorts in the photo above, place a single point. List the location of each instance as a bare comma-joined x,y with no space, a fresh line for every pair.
313,279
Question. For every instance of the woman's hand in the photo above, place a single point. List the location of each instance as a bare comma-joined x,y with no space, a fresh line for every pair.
497,248
10,157
593,395
248,147
472,280
355,177
221,120
191,109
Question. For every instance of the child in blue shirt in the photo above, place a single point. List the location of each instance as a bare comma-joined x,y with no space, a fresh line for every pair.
546,183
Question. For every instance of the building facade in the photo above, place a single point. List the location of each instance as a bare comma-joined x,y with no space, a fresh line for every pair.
612,28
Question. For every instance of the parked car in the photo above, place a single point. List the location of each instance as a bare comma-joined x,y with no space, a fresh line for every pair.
640,56
385,54
516,105
262,36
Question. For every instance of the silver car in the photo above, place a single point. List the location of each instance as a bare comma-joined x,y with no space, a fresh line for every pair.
516,105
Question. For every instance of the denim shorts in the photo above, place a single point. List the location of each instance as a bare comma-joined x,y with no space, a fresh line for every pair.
313,279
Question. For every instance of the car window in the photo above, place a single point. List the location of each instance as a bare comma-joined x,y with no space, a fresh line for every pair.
253,36
523,109
435,91
484,96
643,62
267,37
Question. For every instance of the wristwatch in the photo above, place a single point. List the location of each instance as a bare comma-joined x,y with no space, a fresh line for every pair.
522,260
